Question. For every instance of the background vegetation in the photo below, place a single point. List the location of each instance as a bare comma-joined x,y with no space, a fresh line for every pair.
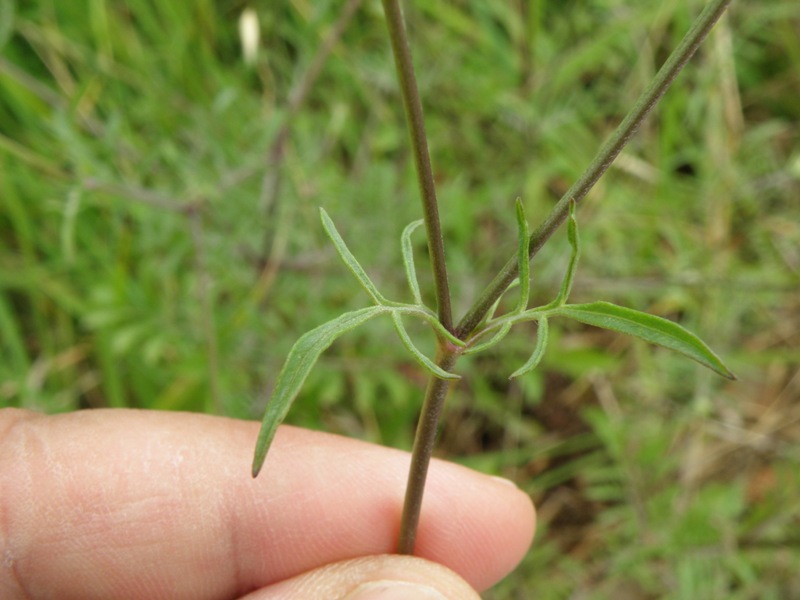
145,262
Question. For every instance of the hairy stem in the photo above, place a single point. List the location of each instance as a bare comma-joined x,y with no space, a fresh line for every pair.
421,454
660,84
419,145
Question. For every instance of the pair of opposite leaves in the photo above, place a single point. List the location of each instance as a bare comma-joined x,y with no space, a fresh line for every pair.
309,347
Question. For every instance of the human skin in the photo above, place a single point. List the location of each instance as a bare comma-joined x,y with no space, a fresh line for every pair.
145,504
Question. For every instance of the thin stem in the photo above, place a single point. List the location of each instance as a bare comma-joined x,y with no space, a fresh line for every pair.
663,79
421,454
419,145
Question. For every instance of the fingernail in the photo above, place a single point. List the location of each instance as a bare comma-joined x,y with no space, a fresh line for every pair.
394,590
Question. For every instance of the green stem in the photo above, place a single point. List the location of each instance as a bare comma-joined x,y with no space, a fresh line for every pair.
419,145
421,454
663,79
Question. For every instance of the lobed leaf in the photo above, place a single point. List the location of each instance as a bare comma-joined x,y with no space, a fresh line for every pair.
650,328
408,260
349,260
538,351
295,370
430,366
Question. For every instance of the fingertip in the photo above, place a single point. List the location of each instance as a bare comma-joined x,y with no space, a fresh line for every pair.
144,485
381,577
480,526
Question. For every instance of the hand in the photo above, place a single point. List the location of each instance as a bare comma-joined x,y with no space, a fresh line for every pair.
140,504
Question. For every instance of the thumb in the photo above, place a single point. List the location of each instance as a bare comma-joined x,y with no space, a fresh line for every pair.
384,577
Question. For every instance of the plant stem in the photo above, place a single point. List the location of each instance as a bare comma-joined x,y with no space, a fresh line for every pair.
419,145
660,84
421,454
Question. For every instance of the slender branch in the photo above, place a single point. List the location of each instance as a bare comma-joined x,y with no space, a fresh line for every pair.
419,143
421,454
663,79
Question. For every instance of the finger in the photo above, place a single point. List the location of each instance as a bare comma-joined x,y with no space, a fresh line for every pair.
160,505
373,577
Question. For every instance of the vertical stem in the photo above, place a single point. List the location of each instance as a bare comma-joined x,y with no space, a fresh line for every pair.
421,454
419,145
447,356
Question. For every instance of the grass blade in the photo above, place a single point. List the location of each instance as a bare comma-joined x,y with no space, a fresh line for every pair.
650,328
6,21
430,366
298,365
349,260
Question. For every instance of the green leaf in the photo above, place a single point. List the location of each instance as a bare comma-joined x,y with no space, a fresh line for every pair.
574,241
427,315
538,351
423,360
349,260
493,309
298,365
408,260
523,260
497,337
650,328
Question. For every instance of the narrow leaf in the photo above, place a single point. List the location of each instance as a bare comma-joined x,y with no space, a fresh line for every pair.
538,351
523,260
574,241
426,314
349,260
408,260
496,338
493,309
440,329
650,328
298,365
423,360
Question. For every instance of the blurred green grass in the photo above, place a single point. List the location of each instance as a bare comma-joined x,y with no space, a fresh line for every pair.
142,264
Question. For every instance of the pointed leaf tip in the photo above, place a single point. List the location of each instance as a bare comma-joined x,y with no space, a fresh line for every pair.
295,370
349,259
538,351
650,328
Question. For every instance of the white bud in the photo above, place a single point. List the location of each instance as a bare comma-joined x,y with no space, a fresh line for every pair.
248,31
